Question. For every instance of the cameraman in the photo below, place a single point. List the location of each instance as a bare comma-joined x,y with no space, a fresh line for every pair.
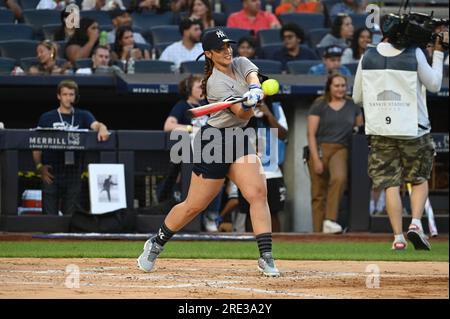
391,82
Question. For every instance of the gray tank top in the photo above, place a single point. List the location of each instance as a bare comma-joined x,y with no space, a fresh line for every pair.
221,87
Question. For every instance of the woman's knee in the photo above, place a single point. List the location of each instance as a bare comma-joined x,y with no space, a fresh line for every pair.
192,209
256,194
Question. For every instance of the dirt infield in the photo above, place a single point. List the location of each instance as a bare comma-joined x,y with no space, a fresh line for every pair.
187,278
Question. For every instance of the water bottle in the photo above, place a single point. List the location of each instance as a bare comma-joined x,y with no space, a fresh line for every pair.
130,66
269,7
217,6
103,40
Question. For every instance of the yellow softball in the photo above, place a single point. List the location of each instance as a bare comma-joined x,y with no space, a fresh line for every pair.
270,87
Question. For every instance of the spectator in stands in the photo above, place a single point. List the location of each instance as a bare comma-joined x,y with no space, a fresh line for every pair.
100,62
60,171
104,5
158,6
293,37
191,91
201,9
348,7
251,17
270,115
64,33
189,48
83,41
123,18
247,47
304,6
331,120
14,6
362,38
53,4
125,47
180,5
331,63
46,54
341,32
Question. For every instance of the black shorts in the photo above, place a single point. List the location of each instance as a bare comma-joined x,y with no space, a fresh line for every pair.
222,152
276,196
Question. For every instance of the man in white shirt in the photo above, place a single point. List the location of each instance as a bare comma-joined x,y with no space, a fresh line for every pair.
189,48
100,63
391,82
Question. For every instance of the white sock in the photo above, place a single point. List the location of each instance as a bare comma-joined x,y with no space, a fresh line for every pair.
399,238
417,222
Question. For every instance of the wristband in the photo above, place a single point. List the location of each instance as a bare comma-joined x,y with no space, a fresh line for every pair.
39,166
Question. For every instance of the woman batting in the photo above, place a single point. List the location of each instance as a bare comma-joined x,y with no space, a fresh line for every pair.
225,78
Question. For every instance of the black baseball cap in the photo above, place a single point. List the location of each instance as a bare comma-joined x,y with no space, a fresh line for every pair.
333,51
213,40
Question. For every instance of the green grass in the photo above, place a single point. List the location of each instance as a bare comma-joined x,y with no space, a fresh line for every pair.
222,250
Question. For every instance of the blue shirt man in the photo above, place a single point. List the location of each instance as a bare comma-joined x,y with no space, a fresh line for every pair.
331,63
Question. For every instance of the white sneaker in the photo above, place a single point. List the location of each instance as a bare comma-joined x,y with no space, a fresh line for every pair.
210,225
331,227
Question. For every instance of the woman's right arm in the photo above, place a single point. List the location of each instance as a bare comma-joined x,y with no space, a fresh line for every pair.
313,125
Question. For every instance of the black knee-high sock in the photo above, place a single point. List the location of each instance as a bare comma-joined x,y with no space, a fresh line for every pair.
264,243
164,234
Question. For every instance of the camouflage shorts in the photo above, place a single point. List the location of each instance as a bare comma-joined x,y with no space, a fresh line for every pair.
393,162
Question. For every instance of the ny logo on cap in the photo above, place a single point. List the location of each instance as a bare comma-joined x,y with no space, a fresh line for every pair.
220,34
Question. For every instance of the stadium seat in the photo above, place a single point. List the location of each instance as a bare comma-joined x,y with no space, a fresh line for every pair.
306,21
11,31
6,16
359,20
194,67
61,48
220,19
316,35
268,66
83,63
165,33
49,30
29,4
267,51
269,36
6,65
230,6
301,66
38,18
352,67
153,66
102,17
26,63
18,49
147,20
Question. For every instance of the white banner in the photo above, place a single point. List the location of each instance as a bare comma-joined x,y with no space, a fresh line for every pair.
389,109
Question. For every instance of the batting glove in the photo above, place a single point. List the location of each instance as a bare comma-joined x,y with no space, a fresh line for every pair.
254,95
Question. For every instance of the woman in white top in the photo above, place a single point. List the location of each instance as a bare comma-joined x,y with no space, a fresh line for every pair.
360,41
